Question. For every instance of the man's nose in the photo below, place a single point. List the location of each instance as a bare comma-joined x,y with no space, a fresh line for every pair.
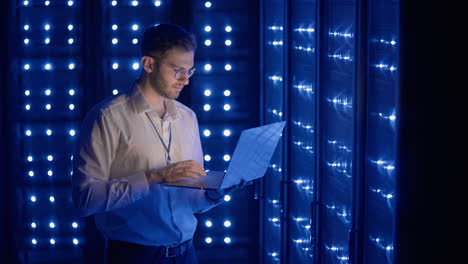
184,79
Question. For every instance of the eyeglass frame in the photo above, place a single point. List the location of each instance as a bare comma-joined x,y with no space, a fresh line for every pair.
183,71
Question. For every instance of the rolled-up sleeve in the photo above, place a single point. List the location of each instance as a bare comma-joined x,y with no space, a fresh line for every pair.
94,191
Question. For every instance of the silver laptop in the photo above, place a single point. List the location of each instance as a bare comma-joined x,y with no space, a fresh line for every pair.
249,161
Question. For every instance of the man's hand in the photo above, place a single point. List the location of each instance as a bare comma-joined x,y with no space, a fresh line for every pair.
175,171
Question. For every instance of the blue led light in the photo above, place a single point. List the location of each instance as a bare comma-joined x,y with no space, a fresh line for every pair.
343,57
228,42
75,225
47,40
114,3
50,157
33,198
48,66
227,197
228,67
27,67
115,65
47,3
207,107
306,49
207,42
71,106
157,3
207,157
207,4
52,199
308,30
71,92
207,92
31,173
70,27
207,28
50,173
226,157
48,106
226,132
46,27
26,27
275,78
227,92
47,92
228,28
115,92
206,132
33,225
135,27
52,241
304,87
28,133
75,241
26,41
227,240
25,2
135,41
275,28
33,241
70,3
27,107
136,66
30,159
227,107
52,225
114,27
208,223
227,223
71,66
341,34
134,3
207,67
208,240
71,41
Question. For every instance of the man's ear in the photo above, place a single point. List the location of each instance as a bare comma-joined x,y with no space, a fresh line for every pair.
147,64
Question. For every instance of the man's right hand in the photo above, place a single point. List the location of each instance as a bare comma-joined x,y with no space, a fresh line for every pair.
175,171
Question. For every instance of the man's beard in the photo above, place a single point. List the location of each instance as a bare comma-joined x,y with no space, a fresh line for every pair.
158,85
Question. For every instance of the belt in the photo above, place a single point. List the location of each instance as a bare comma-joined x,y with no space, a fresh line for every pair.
170,252
167,252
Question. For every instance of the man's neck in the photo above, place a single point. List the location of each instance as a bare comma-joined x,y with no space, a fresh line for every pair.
155,100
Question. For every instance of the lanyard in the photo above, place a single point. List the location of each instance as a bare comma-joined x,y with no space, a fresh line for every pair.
166,147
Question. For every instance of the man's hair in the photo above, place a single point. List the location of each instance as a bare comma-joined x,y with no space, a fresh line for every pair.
157,40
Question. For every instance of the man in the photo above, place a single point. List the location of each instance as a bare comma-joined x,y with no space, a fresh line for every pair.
130,144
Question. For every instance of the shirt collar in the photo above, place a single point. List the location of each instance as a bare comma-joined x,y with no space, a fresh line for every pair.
140,105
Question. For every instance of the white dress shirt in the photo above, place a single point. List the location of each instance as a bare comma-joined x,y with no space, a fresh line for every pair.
117,145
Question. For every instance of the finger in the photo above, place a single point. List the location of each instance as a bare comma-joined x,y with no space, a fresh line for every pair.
195,167
187,172
194,163
191,175
196,170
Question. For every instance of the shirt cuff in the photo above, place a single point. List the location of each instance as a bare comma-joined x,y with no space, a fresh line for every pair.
139,183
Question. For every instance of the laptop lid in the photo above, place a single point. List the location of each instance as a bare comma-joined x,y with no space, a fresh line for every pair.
250,160
253,153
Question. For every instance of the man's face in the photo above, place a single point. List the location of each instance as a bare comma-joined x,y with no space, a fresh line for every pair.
162,79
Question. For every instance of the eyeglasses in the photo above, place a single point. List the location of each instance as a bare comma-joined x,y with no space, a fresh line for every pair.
178,74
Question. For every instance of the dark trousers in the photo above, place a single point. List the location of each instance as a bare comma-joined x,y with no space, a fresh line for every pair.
119,252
